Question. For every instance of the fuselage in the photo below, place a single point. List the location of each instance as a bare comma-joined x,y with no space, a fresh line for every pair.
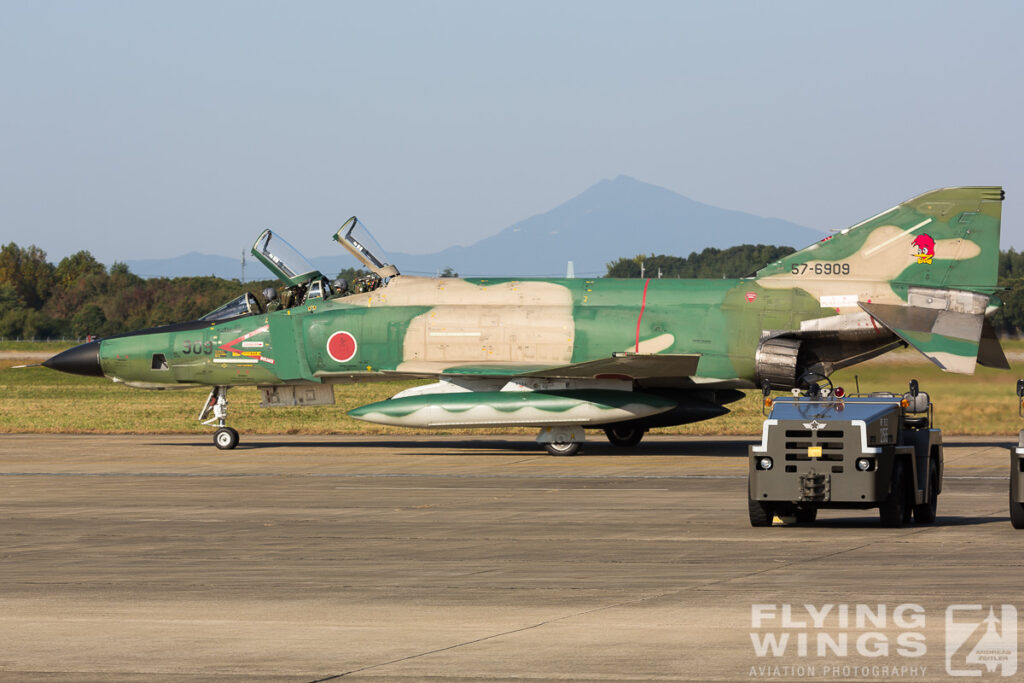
427,326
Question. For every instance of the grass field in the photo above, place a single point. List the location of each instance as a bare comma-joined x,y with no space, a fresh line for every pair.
40,400
53,346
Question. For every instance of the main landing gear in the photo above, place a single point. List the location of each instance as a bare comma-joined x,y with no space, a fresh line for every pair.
225,438
561,440
565,441
624,437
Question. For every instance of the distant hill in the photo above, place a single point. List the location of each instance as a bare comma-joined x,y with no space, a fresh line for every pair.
614,218
196,264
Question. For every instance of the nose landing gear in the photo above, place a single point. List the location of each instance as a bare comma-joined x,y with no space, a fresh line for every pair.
225,438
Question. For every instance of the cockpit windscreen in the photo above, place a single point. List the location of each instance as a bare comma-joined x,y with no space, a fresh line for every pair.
247,304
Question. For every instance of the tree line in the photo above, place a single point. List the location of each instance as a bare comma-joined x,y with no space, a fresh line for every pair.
80,296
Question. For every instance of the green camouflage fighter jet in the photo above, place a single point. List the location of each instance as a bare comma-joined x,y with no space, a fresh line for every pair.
566,355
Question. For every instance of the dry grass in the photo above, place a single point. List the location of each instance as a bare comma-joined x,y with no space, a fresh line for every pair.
42,401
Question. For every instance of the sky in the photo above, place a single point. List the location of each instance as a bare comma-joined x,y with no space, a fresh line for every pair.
151,129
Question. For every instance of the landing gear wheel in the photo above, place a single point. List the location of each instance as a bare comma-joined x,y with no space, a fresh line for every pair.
563,448
624,437
893,511
761,513
1016,512
225,438
925,512
806,515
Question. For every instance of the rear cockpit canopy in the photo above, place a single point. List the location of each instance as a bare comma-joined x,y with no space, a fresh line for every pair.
354,236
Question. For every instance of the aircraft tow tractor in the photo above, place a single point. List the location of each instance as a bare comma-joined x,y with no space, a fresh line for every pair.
1017,468
823,449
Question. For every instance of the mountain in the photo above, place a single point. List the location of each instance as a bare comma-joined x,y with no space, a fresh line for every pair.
614,218
194,263
621,217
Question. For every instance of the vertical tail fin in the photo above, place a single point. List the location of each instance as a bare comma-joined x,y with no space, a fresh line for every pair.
925,269
946,238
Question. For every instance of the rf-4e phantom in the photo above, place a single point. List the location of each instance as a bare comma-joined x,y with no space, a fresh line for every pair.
566,355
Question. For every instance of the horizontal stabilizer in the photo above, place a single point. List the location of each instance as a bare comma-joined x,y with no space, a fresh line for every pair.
950,339
626,366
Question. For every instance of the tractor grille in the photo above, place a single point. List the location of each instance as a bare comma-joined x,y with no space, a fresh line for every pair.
798,441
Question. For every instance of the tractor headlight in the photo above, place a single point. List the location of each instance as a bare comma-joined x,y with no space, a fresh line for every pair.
765,463
864,464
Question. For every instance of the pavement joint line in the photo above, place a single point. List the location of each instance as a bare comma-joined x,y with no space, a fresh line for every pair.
518,462
620,603
802,561
482,639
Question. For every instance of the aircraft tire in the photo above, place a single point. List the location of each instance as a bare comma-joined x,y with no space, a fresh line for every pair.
225,438
893,511
624,437
925,513
761,513
563,448
1016,513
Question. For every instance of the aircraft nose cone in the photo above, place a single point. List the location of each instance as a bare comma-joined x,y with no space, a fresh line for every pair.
83,359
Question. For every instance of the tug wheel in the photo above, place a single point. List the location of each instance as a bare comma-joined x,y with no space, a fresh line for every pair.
894,510
225,438
1016,512
761,513
926,511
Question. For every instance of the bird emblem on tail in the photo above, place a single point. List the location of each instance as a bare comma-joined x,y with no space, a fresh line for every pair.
925,245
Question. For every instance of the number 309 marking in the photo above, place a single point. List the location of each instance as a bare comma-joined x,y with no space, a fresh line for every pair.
197,347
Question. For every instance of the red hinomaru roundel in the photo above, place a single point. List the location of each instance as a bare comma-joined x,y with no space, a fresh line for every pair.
341,346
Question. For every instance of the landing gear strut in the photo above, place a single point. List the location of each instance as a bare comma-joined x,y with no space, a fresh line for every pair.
225,438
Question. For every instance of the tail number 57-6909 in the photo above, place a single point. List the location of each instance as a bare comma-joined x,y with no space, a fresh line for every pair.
820,269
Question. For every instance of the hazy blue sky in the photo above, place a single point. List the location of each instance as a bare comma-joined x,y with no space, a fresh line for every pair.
144,129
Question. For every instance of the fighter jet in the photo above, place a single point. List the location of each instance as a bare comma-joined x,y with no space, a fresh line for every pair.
569,355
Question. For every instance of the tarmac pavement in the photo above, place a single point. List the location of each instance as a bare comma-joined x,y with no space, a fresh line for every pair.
315,558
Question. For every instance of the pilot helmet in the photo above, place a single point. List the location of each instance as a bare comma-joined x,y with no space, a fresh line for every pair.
269,293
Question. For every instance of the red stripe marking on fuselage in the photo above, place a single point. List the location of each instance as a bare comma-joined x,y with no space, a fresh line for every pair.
643,303
230,346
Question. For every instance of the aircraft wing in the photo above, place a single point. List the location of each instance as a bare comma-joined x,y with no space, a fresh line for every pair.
618,366
626,366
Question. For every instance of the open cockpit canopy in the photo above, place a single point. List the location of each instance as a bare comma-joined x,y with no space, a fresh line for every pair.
354,236
283,260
